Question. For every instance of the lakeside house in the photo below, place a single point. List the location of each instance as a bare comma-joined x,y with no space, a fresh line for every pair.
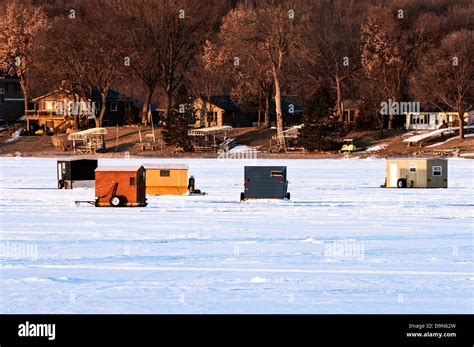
58,110
430,120
220,110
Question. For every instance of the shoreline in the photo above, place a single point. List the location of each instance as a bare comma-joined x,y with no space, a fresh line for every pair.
125,155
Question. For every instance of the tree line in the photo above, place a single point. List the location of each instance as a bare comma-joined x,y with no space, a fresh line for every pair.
257,51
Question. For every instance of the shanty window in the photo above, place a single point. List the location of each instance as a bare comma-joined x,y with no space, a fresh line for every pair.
165,173
412,167
437,170
132,181
113,106
276,173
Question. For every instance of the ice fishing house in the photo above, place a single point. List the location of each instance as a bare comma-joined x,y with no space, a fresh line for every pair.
171,179
74,173
120,186
417,173
265,182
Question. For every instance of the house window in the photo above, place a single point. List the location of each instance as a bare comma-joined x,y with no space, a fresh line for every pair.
437,170
3,90
412,167
48,106
113,106
132,181
165,173
128,105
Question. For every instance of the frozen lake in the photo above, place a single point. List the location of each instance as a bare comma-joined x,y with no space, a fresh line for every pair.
341,245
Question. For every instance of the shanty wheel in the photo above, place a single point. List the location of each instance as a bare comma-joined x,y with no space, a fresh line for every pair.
401,183
115,201
242,196
288,196
60,184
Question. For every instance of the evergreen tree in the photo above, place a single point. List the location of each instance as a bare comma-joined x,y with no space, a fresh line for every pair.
177,124
317,123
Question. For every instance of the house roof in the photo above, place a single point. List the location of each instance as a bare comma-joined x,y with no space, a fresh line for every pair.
225,102
115,96
8,78
57,91
222,101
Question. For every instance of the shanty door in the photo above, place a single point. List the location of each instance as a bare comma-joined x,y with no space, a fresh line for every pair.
141,179
436,175
61,170
393,174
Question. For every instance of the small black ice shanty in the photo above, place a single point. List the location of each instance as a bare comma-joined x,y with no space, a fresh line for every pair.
74,173
265,182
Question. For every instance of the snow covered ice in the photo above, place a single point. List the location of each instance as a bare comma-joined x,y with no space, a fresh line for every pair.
341,245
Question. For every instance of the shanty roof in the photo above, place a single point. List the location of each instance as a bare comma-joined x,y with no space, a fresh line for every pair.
77,158
165,166
209,131
81,135
126,168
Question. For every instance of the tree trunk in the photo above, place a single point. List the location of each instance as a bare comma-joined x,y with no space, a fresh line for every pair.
461,126
279,115
26,93
169,102
25,101
266,122
76,113
146,109
390,117
259,108
340,104
103,107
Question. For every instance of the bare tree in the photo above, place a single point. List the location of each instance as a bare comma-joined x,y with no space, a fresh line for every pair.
445,79
392,43
142,37
331,46
19,28
241,57
267,33
183,31
88,56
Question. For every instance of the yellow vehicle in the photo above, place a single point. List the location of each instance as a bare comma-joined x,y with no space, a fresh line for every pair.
348,146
